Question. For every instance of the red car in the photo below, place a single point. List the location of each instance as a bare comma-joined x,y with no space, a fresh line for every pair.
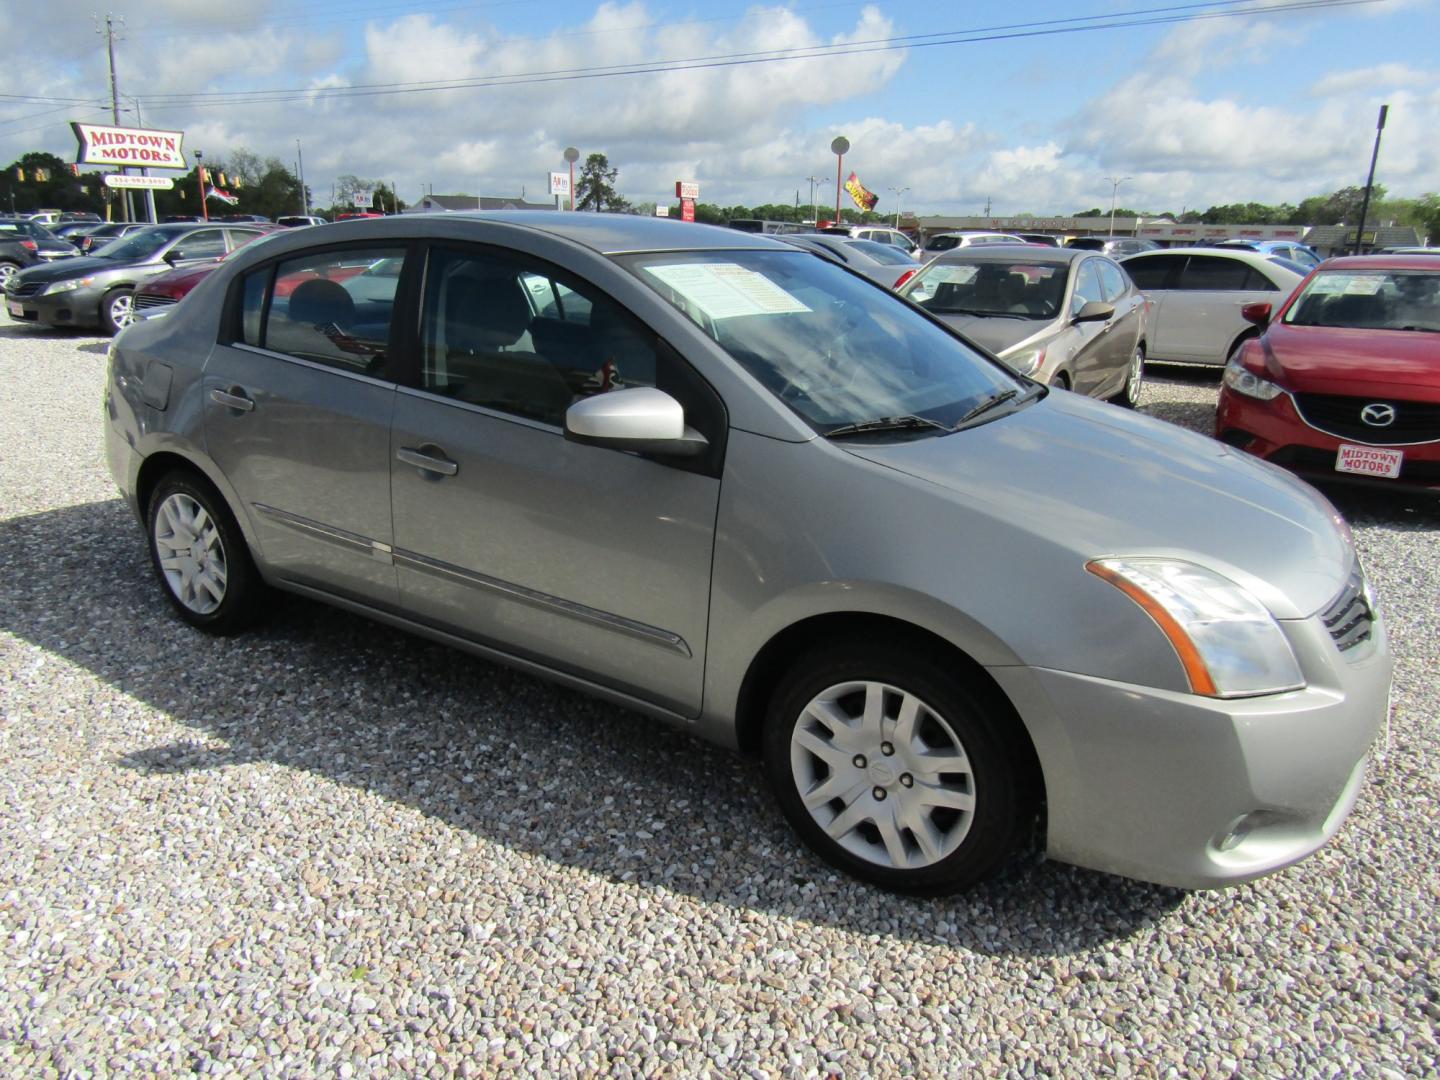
1344,384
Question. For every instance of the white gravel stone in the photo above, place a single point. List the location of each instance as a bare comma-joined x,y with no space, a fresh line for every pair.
329,848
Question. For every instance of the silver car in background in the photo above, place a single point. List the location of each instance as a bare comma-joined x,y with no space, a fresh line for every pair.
1062,316
1196,295
711,477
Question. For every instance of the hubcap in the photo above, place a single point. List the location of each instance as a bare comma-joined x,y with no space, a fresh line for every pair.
191,553
883,774
6,273
1137,377
121,310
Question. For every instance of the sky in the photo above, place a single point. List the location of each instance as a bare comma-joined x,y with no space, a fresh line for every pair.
1028,107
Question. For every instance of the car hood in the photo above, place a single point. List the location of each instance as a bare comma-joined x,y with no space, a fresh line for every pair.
78,266
1099,480
995,333
1354,362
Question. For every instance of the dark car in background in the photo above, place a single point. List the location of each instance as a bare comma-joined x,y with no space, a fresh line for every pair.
881,263
97,291
26,243
1069,318
1344,383
101,235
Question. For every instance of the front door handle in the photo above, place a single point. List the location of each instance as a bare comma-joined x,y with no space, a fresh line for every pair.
232,400
429,462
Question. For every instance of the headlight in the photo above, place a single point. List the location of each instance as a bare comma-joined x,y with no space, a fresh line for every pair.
1026,361
1227,641
1244,381
68,285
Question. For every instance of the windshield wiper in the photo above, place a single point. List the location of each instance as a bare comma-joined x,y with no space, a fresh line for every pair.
980,314
986,405
884,423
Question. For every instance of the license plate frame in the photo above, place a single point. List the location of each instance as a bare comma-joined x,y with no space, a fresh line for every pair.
1374,461
15,309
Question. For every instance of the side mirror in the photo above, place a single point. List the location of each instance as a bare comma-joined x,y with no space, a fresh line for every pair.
640,418
1094,311
173,256
1257,313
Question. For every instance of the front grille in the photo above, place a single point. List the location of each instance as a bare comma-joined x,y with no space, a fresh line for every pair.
1349,618
144,301
21,290
1415,421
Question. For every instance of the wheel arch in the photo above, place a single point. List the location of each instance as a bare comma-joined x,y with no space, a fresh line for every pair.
785,647
156,465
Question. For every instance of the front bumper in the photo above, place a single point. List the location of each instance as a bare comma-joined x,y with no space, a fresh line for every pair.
1275,431
1199,792
78,307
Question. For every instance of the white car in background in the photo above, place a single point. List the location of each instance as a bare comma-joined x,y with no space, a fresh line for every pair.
948,241
1196,295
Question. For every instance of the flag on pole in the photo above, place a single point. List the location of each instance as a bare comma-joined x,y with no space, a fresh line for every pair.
223,196
864,199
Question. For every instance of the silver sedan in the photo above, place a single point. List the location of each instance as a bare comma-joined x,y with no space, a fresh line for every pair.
732,485
1196,295
1063,316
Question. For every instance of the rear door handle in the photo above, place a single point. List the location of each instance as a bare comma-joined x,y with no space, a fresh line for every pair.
231,400
429,462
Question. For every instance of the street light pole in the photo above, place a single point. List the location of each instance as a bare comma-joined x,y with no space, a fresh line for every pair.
1114,187
898,192
814,206
300,168
200,176
1370,180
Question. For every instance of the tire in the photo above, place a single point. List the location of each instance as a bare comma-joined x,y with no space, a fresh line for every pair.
7,271
1129,394
116,310
200,557
1060,381
893,816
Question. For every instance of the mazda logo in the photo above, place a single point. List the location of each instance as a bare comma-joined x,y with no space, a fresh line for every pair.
1378,414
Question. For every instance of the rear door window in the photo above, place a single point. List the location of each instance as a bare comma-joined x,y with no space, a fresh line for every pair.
1211,273
333,308
1156,271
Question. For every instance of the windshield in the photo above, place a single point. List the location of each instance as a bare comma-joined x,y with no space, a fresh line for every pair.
1370,299
832,347
138,245
991,287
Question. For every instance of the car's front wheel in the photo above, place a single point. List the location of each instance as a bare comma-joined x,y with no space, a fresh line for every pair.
7,271
894,768
200,556
117,310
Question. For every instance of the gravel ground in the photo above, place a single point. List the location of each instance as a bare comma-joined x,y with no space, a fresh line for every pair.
330,849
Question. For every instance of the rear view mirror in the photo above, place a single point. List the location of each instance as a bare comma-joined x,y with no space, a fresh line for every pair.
640,418
1257,313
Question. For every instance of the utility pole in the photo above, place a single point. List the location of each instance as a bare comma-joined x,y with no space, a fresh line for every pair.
109,33
1370,180
898,192
300,167
149,195
1114,187
814,206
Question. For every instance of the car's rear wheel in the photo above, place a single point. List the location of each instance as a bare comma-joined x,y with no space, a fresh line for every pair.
7,271
894,769
117,310
1129,394
200,556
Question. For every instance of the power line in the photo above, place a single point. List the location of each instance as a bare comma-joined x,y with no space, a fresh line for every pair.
1159,16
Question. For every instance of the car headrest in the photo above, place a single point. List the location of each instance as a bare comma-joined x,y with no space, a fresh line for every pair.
320,302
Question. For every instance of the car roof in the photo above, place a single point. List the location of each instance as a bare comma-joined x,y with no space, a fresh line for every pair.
1030,253
1382,262
616,234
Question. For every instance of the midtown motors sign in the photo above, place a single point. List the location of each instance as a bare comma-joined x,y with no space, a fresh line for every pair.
102,145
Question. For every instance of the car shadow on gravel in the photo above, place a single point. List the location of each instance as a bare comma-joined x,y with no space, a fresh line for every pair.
508,757
42,331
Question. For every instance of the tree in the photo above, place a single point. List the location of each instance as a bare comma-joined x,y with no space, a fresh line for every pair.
595,188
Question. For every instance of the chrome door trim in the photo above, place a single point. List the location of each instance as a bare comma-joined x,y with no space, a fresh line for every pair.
271,354
342,537
544,601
